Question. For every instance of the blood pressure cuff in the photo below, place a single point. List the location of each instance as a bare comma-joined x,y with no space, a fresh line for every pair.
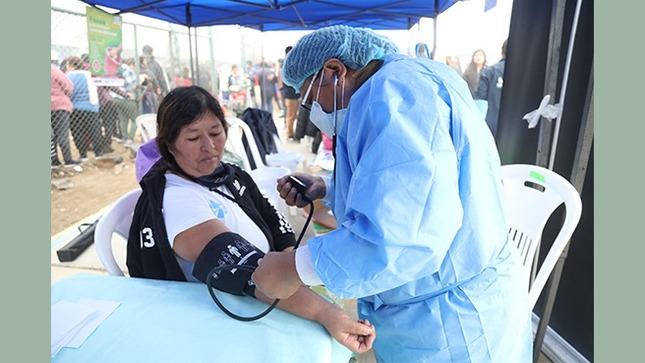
228,249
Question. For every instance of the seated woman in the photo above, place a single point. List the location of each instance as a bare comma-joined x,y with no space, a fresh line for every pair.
197,212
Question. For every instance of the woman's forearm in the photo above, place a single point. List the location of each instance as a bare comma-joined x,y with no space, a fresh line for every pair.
358,336
305,303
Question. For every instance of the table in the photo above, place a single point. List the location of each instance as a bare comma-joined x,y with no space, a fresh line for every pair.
170,321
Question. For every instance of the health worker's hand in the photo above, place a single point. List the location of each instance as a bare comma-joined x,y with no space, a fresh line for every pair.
276,275
315,189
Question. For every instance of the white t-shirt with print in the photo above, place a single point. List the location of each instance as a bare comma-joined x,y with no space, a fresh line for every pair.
187,204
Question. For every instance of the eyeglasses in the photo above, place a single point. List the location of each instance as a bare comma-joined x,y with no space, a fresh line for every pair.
307,105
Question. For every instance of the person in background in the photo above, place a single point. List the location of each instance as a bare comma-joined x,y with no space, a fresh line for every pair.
85,123
235,78
86,61
183,79
61,109
237,91
291,99
453,62
473,70
252,77
157,71
149,99
268,90
213,211
109,114
304,127
278,87
421,51
421,238
489,89
471,76
127,105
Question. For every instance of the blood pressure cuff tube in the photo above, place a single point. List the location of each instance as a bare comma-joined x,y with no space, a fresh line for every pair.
228,249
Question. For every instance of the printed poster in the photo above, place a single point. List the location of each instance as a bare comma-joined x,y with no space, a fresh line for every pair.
104,33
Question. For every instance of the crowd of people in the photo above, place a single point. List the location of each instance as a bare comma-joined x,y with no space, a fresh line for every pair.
484,81
90,115
262,87
259,85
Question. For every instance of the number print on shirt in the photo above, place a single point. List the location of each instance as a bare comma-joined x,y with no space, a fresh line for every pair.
146,238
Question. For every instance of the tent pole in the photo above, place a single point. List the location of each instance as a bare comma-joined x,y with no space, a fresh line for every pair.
565,81
583,151
137,66
262,74
213,69
195,75
434,29
550,86
189,21
434,37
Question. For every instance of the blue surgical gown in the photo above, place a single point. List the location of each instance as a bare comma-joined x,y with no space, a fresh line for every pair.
421,238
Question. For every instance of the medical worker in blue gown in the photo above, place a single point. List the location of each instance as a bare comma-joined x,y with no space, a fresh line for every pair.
421,239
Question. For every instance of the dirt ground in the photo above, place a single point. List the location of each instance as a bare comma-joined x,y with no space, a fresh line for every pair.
76,195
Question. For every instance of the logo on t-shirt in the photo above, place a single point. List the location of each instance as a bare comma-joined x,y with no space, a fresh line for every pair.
217,209
240,189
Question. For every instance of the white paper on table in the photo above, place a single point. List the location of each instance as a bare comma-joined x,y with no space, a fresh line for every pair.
103,309
66,319
73,323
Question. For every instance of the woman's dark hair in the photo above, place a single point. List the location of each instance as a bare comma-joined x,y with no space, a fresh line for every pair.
471,75
181,107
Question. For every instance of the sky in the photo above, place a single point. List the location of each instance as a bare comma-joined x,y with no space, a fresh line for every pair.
461,30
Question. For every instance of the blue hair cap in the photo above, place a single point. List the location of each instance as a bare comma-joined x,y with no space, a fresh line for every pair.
355,47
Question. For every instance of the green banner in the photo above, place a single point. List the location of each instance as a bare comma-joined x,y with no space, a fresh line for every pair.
104,33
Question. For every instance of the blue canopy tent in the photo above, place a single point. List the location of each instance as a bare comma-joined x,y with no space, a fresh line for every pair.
268,15
278,15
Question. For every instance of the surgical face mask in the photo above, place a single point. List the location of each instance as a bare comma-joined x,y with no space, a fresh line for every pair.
328,123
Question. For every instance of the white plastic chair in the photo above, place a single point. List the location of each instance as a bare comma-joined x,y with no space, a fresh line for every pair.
238,128
263,175
234,141
147,125
532,195
116,220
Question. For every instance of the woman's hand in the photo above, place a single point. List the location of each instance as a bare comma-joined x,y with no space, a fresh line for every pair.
315,189
357,336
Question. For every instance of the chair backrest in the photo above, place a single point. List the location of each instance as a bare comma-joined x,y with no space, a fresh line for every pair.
147,125
116,220
234,141
238,128
533,193
246,131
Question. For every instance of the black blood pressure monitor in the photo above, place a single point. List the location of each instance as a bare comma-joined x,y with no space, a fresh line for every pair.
236,244
299,185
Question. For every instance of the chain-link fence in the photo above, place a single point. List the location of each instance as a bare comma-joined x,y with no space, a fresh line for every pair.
89,130
99,128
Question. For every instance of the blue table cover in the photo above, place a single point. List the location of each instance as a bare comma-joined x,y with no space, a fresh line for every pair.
169,321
